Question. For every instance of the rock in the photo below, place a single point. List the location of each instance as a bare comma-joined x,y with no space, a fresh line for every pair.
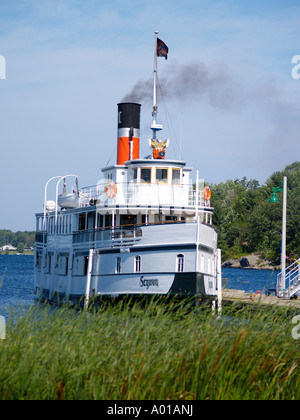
244,262
233,263
249,261
227,263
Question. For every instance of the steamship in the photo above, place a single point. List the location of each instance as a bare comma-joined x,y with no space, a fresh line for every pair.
144,228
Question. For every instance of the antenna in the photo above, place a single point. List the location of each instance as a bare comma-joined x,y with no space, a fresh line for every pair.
155,127
180,140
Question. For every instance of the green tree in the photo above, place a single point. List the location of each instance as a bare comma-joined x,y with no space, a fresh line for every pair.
247,222
20,247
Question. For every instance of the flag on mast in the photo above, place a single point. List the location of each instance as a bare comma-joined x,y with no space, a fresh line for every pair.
162,49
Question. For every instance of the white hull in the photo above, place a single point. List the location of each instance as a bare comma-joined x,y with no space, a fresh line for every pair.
63,271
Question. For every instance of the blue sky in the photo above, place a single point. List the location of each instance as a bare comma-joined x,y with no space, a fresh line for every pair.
227,88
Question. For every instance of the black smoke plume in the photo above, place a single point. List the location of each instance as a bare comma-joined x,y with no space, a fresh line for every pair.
194,82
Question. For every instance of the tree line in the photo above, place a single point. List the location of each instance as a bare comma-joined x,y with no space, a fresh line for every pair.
247,222
20,240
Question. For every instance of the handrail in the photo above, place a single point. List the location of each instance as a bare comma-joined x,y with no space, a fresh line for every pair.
292,276
164,222
138,193
45,197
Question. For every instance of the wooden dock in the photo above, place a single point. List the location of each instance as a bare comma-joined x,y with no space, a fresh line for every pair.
235,296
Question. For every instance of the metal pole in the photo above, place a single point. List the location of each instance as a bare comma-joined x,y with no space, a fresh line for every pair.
155,77
283,240
197,195
88,279
219,280
154,112
45,198
197,221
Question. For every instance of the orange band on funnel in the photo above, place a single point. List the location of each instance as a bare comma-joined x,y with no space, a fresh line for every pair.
124,149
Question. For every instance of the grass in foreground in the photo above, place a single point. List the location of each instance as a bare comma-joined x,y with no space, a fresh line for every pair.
154,351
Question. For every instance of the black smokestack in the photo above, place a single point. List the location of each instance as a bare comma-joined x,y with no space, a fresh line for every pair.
128,132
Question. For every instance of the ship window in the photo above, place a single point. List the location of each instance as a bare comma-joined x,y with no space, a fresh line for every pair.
162,175
49,263
63,265
66,265
137,263
86,264
38,262
202,263
146,175
108,220
119,265
128,219
81,222
180,263
176,176
169,218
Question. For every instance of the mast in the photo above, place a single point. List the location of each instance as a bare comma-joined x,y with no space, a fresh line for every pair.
155,127
155,80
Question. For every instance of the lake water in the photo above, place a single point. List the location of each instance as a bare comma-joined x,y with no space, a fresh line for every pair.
17,284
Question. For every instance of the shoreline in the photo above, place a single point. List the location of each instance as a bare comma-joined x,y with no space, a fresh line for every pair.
17,253
275,268
251,261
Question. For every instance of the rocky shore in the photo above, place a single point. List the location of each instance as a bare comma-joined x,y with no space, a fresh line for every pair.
254,261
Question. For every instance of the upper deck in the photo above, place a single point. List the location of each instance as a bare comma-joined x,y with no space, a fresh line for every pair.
143,184
145,191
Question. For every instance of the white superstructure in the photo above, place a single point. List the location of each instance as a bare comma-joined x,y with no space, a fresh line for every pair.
144,228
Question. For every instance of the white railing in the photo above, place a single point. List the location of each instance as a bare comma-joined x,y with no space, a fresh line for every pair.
110,237
143,194
292,281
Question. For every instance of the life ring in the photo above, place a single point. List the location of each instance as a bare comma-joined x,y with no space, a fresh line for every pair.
111,190
207,193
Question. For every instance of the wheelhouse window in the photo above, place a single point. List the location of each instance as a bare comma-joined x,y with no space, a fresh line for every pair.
137,263
176,176
180,263
162,175
146,175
